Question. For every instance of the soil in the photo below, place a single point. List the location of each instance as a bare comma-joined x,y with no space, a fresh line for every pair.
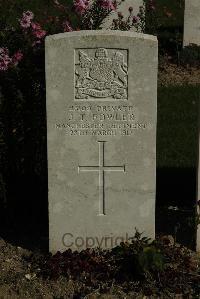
19,279
171,74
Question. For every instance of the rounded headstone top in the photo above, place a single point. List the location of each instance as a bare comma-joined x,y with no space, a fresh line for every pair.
86,33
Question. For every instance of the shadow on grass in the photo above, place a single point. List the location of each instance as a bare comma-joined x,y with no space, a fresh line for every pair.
24,221
175,209
177,159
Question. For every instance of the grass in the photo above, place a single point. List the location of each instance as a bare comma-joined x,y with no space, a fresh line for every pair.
177,126
177,158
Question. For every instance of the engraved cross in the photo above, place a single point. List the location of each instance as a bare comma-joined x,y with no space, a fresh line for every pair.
101,169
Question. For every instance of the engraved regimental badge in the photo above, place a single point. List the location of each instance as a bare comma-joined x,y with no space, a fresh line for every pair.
101,74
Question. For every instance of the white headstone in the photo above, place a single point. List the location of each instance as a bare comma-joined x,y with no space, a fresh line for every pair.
124,9
192,22
101,121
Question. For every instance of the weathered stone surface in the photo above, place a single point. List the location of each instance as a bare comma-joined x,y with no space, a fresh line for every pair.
101,121
192,22
123,8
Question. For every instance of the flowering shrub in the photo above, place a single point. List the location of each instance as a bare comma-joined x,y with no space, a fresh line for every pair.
136,21
6,61
88,15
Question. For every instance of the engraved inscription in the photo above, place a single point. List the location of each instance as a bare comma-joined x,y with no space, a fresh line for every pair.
101,74
88,119
101,169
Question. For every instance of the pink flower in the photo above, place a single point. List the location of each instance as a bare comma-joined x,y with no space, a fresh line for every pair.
3,51
108,4
37,30
25,23
39,33
3,66
17,57
5,60
36,26
67,27
81,6
26,19
28,14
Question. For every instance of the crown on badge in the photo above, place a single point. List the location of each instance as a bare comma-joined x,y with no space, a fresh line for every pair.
101,53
